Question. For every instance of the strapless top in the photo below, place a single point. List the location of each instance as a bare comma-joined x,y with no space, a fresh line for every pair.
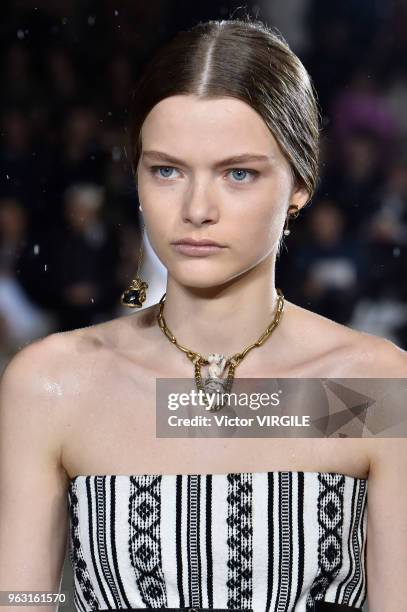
277,541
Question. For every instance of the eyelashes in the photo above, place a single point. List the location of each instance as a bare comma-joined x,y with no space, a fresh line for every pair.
155,169
253,174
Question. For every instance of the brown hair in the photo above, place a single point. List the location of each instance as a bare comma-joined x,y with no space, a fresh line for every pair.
243,59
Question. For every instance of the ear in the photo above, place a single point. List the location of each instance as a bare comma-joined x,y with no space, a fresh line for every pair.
299,196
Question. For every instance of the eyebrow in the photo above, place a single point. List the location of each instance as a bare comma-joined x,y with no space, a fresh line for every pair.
235,159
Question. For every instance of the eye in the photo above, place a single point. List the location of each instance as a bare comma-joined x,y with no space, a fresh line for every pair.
164,172
241,173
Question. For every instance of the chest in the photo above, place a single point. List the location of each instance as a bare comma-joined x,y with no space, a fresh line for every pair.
111,429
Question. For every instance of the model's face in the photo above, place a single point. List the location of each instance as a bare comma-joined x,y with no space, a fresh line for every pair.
188,190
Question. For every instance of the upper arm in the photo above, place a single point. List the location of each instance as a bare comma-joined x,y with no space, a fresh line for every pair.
387,526
33,484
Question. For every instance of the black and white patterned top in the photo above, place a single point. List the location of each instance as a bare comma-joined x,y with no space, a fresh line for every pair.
260,541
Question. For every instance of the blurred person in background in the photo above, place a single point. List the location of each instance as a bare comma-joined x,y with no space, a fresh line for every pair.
22,320
383,304
85,260
353,178
386,234
390,221
363,106
331,264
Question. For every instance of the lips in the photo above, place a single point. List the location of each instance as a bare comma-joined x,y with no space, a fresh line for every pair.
192,242
197,250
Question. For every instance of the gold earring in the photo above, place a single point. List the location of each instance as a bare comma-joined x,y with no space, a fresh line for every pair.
135,294
295,211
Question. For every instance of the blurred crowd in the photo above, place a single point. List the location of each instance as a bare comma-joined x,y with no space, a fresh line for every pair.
69,221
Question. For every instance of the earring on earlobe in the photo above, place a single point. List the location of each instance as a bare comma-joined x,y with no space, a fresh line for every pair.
135,294
295,211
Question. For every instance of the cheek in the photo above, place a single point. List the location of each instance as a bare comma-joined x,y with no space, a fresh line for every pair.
258,230
257,238
156,200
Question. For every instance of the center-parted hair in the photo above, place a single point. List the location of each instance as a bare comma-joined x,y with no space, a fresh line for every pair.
243,59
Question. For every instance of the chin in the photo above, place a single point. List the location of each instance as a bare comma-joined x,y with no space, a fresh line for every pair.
201,281
203,275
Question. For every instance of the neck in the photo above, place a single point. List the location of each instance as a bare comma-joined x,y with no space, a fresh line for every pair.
222,319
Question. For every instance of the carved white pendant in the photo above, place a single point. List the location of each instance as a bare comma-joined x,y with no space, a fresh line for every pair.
214,383
217,363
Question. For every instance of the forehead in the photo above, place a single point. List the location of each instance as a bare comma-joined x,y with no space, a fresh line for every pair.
180,123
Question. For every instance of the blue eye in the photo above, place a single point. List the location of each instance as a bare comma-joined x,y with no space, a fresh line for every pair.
165,175
242,173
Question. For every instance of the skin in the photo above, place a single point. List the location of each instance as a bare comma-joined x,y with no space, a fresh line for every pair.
85,390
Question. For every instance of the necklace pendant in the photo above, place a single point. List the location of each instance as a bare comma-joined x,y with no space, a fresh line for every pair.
218,387
214,384
217,363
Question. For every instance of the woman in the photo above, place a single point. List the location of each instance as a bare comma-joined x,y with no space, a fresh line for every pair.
224,146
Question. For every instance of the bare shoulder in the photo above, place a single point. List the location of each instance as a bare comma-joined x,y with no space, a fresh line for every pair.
55,365
374,356
31,381
343,351
385,358
43,370
28,368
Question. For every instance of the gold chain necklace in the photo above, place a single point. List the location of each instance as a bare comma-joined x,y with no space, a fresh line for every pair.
216,361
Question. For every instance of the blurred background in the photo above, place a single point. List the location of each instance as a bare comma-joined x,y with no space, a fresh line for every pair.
69,220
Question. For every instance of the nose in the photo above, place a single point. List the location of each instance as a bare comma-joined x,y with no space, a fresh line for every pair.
199,205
